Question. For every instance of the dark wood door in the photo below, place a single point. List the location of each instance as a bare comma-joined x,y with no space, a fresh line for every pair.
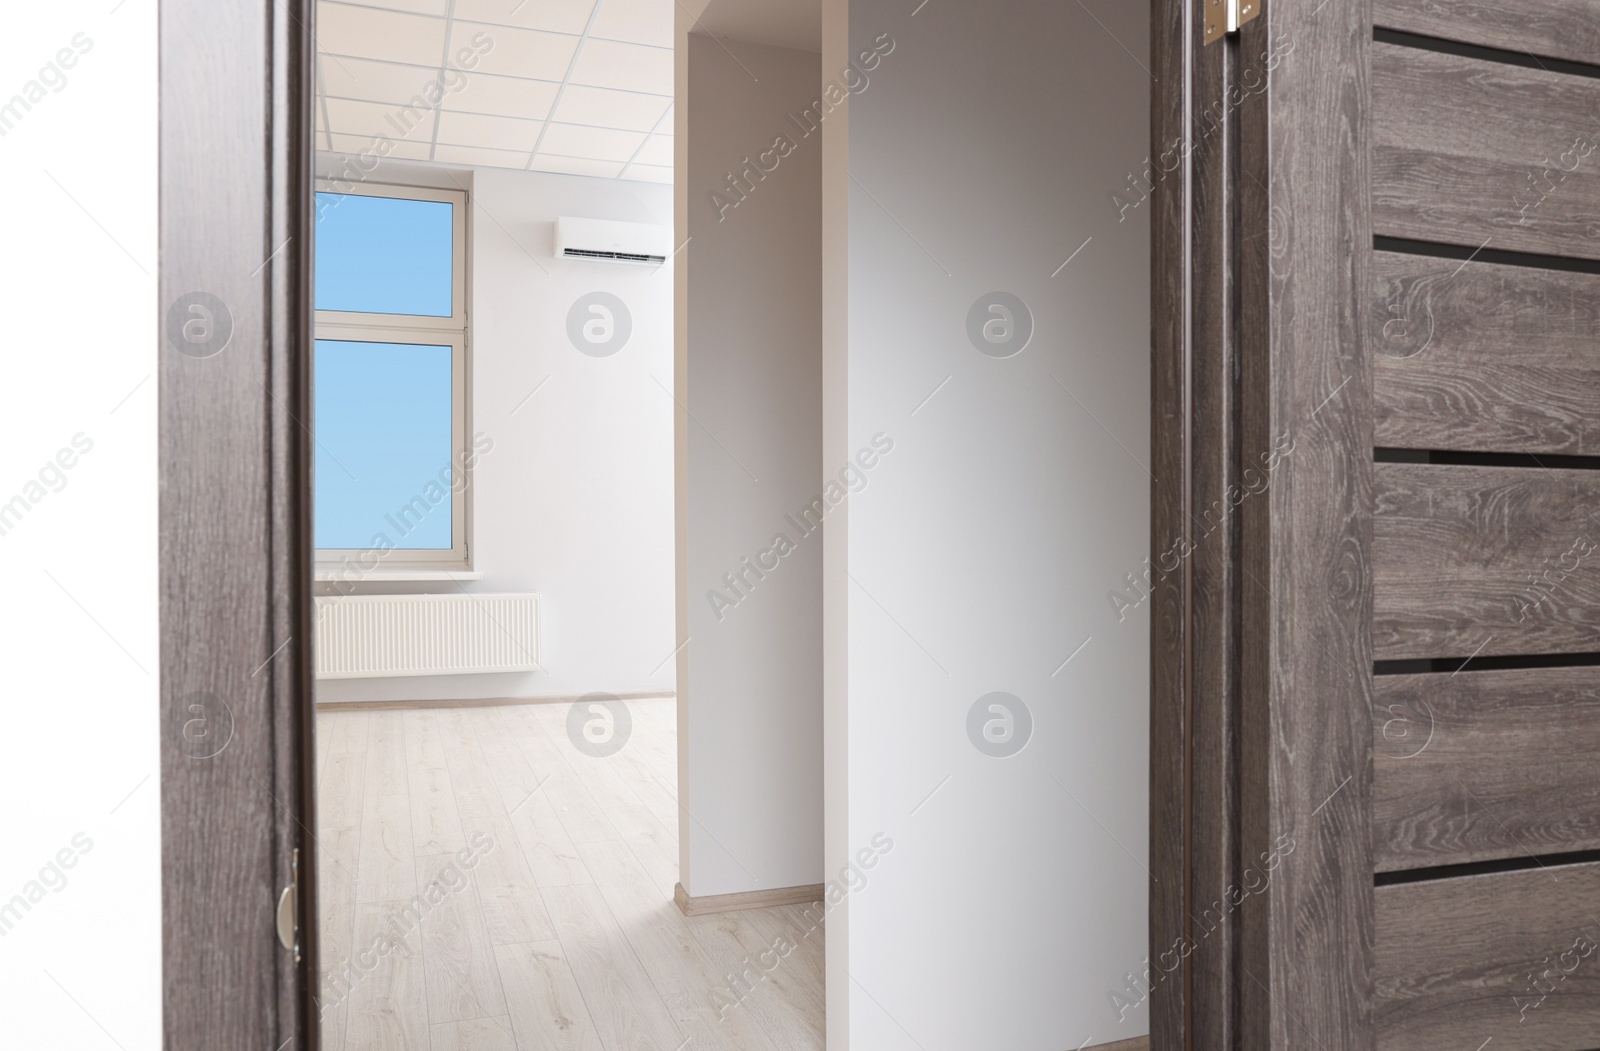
235,558
1377,646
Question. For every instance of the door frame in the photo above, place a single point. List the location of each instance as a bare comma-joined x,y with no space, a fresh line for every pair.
235,558
1232,628
1261,686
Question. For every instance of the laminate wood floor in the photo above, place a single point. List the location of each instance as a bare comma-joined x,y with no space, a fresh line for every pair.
487,886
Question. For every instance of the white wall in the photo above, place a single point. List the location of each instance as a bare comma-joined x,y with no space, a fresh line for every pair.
983,153
750,300
81,967
575,499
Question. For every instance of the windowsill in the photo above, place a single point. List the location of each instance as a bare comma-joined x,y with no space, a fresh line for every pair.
384,575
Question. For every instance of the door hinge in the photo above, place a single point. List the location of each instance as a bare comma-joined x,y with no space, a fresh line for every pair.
1226,16
288,921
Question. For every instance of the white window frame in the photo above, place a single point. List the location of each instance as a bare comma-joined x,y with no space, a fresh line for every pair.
421,330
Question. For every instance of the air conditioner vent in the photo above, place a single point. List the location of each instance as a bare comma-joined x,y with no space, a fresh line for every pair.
609,241
620,257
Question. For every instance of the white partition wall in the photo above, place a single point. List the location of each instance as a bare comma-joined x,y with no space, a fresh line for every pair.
750,465
987,712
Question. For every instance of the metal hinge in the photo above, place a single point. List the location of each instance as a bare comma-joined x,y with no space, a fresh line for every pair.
1226,16
288,923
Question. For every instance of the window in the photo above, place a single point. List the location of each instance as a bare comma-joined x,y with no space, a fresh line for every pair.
390,376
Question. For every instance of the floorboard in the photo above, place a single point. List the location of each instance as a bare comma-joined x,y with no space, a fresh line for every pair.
526,888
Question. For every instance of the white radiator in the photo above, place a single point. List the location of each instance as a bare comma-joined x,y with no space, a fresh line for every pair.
362,636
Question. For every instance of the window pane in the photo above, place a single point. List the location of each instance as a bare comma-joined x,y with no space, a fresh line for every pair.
383,255
383,449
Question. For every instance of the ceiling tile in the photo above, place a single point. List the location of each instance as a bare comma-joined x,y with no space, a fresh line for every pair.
647,173
479,156
570,140
637,21
500,133
609,108
363,78
632,67
370,119
577,166
367,32
410,151
658,150
505,96
439,8
557,16
519,52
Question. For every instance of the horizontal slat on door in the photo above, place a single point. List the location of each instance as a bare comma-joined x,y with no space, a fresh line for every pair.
1471,152
1484,357
1484,561
1566,29
1454,957
1483,765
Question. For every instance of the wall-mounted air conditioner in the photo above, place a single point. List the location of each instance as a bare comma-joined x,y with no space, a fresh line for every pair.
609,241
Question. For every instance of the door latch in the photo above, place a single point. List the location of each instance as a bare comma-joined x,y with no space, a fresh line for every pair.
1226,16
288,924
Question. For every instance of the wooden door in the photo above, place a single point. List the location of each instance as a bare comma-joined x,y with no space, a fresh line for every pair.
235,546
1376,713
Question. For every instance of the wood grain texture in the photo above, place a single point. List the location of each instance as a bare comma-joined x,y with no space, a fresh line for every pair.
536,994
1305,735
1476,766
1485,561
235,564
478,1034
1471,152
1485,358
1171,46
1565,29
463,979
624,1005
1461,962
503,876
547,1009
787,1002
388,1000
1210,527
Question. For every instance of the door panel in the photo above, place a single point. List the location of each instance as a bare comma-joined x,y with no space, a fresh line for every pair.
235,542
1484,766
1506,960
1409,639
1563,29
1484,357
1471,152
1484,561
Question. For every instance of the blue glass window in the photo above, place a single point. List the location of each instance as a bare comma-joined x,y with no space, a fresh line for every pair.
384,255
385,463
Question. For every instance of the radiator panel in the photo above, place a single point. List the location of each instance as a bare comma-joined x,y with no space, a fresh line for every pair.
367,636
